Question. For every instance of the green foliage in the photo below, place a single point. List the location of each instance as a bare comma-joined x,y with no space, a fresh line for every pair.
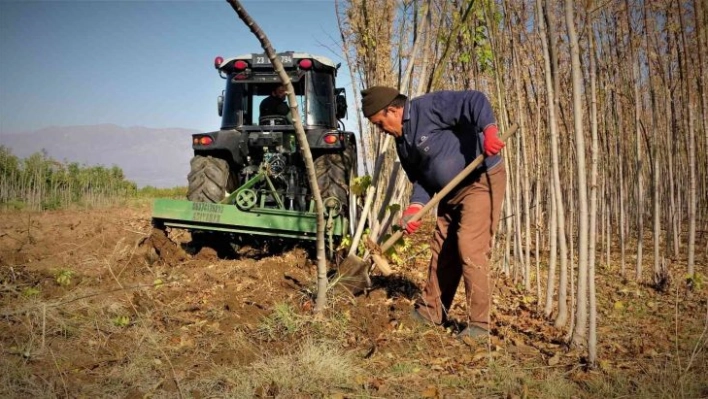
361,184
283,321
397,253
30,292
121,321
346,242
154,192
393,208
39,182
63,277
696,281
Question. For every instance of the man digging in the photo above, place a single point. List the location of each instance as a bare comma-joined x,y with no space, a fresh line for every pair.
436,136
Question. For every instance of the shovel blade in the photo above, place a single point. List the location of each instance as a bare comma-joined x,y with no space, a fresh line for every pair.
353,274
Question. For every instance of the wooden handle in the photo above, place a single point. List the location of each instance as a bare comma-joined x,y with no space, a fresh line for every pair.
445,191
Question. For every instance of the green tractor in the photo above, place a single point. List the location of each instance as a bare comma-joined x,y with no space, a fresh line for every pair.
248,183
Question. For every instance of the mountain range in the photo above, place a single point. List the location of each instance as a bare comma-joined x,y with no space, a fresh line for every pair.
148,156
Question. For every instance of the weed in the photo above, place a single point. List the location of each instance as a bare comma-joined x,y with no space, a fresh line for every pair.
121,321
695,282
30,292
283,321
63,277
404,368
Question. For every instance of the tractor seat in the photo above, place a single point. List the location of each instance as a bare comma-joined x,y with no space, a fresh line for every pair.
273,120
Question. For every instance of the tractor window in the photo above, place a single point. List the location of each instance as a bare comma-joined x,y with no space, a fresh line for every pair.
235,108
320,94
242,101
262,91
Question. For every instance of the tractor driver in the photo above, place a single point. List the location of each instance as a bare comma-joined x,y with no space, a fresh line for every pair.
275,103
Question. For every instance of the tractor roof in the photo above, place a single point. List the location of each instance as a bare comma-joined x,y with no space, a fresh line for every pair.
248,57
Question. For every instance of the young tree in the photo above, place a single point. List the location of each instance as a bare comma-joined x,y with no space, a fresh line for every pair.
579,333
592,331
322,281
558,207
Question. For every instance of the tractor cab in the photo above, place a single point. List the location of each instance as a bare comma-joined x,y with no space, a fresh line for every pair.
251,79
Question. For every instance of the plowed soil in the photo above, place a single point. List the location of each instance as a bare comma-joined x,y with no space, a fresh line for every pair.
94,304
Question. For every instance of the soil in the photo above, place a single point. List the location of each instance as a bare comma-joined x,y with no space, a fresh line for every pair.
84,290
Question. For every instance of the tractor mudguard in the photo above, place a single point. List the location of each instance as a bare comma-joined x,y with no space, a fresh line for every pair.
234,142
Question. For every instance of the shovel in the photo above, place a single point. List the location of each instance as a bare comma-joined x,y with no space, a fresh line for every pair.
354,271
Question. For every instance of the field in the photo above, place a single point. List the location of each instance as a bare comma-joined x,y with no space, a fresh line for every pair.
86,311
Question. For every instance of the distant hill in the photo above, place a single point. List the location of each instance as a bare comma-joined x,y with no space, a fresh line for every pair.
155,157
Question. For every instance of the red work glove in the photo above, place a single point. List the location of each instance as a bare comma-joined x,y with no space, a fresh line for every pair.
492,143
411,227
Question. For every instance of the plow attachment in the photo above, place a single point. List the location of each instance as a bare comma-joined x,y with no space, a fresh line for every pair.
226,218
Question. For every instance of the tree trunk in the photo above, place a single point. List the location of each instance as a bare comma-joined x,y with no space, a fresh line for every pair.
692,203
654,155
592,331
581,311
638,155
556,235
322,281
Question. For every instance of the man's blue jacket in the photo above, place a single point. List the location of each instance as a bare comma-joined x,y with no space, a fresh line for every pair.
442,133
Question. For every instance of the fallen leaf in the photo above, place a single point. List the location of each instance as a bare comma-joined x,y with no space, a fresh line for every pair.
479,354
651,353
604,365
360,379
554,360
429,392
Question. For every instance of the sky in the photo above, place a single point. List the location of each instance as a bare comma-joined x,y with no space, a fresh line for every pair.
140,63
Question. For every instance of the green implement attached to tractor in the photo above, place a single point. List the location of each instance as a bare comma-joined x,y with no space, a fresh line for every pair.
248,183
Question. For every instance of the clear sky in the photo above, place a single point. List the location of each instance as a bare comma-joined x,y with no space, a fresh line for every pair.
139,63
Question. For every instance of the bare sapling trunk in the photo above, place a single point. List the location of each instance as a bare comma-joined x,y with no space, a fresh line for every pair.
692,202
622,228
673,211
579,337
654,153
352,68
553,254
638,156
322,281
526,197
592,330
562,316
699,14
537,215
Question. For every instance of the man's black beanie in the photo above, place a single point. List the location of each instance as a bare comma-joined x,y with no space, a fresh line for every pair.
376,98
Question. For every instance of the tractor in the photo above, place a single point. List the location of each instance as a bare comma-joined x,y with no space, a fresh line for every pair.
248,184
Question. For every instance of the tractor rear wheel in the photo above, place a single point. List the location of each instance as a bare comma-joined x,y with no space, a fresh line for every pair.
209,179
332,177
335,173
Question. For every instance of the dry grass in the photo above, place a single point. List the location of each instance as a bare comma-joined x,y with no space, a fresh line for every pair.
112,331
152,361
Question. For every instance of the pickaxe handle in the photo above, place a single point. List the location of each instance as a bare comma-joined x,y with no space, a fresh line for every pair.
445,191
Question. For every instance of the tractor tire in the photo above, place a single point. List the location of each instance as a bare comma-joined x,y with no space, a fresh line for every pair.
335,172
332,171
353,205
209,179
